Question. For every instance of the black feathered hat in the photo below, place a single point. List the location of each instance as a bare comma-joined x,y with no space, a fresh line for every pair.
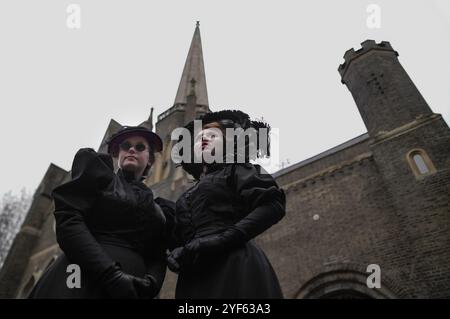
238,119
235,119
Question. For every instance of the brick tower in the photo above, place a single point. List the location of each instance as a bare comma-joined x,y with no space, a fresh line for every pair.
411,148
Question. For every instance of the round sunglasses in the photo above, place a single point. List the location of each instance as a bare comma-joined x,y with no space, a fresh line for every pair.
125,146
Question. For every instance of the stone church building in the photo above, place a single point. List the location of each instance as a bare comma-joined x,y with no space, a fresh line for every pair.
378,201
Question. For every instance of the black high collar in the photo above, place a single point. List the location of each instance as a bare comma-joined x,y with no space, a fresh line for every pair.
214,167
129,176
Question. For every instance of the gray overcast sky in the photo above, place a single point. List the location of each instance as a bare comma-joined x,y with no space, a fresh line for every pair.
59,87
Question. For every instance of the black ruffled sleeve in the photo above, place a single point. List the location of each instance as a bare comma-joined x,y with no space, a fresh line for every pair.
264,201
91,172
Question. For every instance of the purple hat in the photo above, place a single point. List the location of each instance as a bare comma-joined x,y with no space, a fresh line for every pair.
152,138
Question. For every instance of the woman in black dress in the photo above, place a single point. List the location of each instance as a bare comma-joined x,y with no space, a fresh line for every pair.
216,220
109,223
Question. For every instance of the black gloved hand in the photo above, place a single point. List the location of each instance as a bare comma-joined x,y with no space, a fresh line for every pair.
119,284
146,287
174,259
180,258
183,257
228,239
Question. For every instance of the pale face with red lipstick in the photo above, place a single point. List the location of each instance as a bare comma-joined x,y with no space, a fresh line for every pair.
132,158
208,141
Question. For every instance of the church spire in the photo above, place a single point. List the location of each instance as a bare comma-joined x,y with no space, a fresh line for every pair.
149,122
194,69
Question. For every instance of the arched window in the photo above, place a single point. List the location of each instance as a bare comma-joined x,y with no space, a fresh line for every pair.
343,282
420,163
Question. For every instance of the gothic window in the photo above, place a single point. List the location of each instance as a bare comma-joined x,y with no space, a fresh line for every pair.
167,158
420,163
28,286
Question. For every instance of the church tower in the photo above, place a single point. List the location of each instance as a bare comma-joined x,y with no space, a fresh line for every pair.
411,149
191,100
384,93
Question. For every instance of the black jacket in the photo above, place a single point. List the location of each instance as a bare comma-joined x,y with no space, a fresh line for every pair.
103,218
216,222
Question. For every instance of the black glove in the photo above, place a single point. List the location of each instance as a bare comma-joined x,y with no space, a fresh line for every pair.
119,284
230,238
147,288
179,258
186,256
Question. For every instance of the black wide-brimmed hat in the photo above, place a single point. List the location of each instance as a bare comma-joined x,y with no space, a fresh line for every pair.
228,119
238,119
125,132
233,119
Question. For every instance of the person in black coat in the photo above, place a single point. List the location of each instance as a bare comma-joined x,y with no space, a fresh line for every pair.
212,247
109,224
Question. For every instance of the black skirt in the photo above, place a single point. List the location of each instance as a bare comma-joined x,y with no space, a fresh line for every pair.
241,273
53,283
